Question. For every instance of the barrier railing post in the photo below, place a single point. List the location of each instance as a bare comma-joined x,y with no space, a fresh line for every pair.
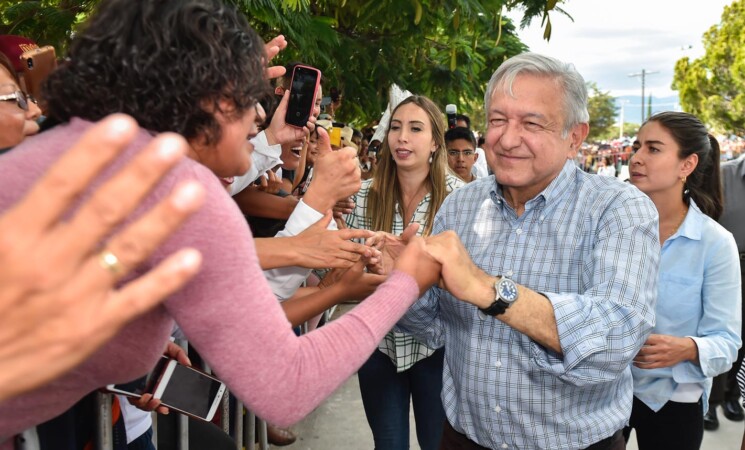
182,422
238,425
249,436
104,434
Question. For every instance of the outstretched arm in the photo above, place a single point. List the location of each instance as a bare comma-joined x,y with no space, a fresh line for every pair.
53,319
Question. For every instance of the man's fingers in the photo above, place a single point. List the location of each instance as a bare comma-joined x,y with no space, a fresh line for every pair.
147,291
352,233
120,195
323,142
272,48
410,231
278,42
141,238
274,72
355,248
49,198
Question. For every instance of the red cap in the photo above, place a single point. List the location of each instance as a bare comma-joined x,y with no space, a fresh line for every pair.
14,46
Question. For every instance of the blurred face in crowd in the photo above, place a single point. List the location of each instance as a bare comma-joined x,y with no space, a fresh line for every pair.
410,137
231,155
312,148
15,122
655,166
319,98
291,156
524,144
461,157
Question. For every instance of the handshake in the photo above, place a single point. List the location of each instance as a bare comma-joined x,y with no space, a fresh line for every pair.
438,259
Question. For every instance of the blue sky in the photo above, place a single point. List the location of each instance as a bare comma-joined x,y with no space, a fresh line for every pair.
610,39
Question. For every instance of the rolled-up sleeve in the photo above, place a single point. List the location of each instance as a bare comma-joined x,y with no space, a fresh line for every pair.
602,327
719,328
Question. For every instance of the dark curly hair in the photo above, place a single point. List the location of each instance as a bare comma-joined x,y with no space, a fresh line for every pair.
167,63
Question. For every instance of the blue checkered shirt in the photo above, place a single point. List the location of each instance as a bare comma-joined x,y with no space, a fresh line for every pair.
403,349
590,244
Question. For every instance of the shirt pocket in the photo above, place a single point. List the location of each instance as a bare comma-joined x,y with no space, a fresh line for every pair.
679,304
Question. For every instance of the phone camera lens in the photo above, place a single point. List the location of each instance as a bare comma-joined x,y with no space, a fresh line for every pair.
30,63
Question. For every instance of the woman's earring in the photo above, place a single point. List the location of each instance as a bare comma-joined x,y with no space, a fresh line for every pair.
430,158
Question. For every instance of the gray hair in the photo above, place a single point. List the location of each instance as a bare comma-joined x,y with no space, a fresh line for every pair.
565,74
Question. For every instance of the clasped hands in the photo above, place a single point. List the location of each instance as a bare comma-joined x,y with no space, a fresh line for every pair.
440,259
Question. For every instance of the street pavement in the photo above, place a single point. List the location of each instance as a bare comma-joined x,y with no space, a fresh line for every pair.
340,424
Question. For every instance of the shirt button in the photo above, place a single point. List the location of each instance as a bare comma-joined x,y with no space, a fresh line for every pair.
519,231
497,408
509,273
504,446
498,364
542,217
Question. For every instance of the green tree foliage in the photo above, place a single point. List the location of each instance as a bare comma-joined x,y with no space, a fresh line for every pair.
602,109
47,22
446,49
713,86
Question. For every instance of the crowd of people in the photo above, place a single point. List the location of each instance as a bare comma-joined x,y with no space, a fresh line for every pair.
513,298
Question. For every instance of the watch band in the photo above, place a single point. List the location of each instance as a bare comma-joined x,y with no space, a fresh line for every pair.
505,295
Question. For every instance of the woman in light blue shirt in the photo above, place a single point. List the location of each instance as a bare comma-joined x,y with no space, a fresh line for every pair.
697,331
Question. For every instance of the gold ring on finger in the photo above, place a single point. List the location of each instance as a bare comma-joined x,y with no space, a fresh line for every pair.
110,262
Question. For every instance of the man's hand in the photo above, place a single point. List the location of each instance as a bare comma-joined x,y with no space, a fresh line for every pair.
460,276
416,261
272,48
342,207
271,183
336,175
354,281
319,248
391,247
662,350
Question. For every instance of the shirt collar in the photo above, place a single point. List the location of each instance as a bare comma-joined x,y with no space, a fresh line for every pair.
693,223
552,192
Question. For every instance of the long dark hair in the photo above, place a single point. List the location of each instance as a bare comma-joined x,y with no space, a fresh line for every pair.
167,63
704,184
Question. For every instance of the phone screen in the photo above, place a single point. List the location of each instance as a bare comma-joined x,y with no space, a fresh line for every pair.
302,95
190,391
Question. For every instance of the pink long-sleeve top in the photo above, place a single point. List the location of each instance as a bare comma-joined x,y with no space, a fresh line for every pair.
227,311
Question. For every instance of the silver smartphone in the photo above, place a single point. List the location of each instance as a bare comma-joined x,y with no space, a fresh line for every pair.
189,391
178,387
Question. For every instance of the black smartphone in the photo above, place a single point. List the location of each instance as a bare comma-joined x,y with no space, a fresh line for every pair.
305,81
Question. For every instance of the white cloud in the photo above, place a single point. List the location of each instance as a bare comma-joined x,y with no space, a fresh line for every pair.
609,39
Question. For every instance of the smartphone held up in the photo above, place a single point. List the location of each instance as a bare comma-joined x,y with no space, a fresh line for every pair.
178,387
303,88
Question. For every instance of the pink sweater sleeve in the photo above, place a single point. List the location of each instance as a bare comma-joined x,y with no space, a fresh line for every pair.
232,318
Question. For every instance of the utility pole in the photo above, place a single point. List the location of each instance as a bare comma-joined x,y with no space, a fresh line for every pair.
643,74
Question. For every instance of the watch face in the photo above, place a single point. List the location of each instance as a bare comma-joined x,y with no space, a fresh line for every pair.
508,290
